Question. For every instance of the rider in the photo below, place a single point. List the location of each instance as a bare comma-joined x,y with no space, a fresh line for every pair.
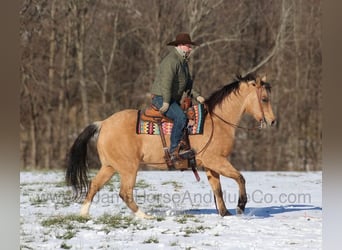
172,80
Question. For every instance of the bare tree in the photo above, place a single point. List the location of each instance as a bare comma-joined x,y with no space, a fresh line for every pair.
79,11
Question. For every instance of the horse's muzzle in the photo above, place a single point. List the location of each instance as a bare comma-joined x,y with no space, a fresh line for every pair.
265,124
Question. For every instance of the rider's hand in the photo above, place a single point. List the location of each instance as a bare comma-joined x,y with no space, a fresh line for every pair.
164,108
200,99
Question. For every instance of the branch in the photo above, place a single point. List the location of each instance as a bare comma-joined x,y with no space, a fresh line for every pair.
284,17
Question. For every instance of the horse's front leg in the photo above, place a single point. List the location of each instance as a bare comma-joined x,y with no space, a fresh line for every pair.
243,196
226,169
214,180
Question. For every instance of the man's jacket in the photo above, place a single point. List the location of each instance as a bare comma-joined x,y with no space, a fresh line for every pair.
173,78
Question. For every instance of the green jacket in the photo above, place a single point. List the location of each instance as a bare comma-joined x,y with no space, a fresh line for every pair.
173,78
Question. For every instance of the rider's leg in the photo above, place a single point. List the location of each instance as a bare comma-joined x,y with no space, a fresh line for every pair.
176,113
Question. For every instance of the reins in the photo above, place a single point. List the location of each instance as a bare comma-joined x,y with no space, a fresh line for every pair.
235,125
232,124
213,127
259,91
210,137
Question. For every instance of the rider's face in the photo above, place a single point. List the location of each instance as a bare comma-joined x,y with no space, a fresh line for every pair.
187,48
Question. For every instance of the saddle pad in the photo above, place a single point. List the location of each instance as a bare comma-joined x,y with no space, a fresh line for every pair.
151,128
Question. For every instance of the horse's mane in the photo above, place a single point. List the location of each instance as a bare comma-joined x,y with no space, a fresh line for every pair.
219,95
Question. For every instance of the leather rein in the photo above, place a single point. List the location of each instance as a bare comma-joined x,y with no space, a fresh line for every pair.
259,93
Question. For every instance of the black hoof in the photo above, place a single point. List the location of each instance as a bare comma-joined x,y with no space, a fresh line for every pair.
239,211
225,213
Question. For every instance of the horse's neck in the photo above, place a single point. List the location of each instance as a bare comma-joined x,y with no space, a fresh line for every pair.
232,108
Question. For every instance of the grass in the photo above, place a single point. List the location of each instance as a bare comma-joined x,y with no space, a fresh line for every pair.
142,184
65,246
174,243
193,230
151,239
25,247
61,221
176,185
65,227
160,218
116,221
113,222
67,235
184,218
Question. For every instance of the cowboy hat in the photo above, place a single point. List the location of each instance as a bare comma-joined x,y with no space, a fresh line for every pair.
182,38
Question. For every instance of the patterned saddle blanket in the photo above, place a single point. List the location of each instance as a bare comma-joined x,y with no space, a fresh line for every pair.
194,126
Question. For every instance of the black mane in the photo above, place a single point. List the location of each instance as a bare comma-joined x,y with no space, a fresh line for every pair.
219,95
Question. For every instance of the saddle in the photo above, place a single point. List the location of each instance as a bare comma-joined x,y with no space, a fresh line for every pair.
185,156
152,114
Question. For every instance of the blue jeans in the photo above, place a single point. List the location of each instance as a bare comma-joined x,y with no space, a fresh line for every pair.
176,114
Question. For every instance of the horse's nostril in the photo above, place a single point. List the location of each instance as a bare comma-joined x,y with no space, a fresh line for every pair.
273,122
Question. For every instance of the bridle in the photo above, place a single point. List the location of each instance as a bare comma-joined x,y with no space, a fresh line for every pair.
262,122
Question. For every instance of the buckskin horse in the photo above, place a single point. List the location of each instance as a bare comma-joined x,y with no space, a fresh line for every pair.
122,150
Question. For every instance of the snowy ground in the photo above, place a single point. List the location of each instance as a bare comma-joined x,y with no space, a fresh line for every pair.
284,211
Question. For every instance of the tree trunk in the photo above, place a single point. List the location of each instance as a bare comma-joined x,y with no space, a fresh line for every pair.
79,16
51,75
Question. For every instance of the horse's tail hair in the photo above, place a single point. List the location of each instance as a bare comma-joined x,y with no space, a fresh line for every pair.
77,167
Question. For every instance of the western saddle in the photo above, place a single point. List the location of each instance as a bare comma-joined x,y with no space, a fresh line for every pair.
184,155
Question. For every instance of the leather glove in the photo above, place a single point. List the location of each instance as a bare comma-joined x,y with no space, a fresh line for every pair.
164,108
200,99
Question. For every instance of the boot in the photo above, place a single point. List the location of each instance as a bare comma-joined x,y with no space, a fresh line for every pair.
178,162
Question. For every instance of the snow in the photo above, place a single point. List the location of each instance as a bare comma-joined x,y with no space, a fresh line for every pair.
284,211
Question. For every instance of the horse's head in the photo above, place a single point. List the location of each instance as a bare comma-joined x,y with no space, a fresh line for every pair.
259,102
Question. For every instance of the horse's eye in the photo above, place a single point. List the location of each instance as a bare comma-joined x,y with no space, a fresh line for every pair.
265,99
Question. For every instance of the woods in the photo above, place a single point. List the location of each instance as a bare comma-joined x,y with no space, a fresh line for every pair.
82,60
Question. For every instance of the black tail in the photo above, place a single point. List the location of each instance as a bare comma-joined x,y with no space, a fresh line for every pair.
77,167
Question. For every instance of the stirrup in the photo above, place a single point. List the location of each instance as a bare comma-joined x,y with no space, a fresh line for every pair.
187,154
179,163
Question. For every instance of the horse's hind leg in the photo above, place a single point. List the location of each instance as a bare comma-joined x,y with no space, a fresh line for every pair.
128,180
104,175
214,180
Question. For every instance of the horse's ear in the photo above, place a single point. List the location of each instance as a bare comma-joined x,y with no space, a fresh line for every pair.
263,78
258,81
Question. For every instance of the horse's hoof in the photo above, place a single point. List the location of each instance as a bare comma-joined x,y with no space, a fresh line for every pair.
140,214
85,209
84,214
239,211
226,213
